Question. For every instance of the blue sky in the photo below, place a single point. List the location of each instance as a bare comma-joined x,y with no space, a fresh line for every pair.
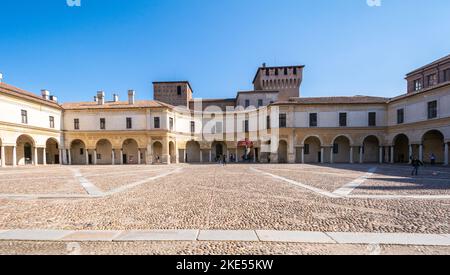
348,47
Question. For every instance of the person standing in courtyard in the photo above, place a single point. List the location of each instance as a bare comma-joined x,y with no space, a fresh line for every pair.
416,164
433,159
224,160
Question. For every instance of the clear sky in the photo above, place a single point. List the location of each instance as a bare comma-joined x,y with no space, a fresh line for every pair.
348,47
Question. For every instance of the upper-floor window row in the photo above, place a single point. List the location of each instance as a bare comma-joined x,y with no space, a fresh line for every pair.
52,121
24,114
103,124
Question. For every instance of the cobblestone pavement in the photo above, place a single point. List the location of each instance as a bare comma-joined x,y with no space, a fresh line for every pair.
210,248
228,198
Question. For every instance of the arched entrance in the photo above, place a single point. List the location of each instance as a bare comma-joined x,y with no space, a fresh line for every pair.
192,152
433,145
157,149
218,150
78,152
130,152
282,152
25,153
371,147
401,149
341,150
104,152
312,150
52,151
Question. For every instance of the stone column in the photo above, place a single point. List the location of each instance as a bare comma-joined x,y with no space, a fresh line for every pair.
61,158
380,154
210,155
303,154
331,155
35,156
121,156
86,155
322,155
236,156
44,156
392,155
139,156
95,157
70,157
113,155
421,152
14,156
445,152
201,156
361,154
351,154
2,156
166,154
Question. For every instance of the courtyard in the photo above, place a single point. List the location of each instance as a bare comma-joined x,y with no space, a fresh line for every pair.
233,209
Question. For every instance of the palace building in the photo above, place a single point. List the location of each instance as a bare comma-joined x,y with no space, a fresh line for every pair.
175,127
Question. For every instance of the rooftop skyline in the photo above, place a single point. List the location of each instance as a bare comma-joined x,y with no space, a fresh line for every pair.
348,48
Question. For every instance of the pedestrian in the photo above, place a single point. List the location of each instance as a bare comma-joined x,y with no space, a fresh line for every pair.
224,160
416,164
433,159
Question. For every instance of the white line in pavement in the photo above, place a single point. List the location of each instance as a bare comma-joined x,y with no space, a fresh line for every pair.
314,189
227,236
334,195
90,188
349,187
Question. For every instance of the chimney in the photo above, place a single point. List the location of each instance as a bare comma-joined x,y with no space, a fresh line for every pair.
45,94
116,98
54,98
101,98
131,94
1,77
264,65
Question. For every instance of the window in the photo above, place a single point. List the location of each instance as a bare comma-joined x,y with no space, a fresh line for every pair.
306,149
432,80
260,103
372,119
179,90
156,123
246,126
192,126
447,75
99,156
343,119
24,117
102,124
267,72
268,122
295,71
313,120
171,123
400,116
52,122
129,123
432,109
81,151
218,128
247,103
76,124
335,148
417,85
283,123
276,71
285,71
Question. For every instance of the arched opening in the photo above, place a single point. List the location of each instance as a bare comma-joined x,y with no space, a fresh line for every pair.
433,146
218,150
401,149
52,151
192,152
312,152
78,152
341,150
104,151
157,152
130,151
24,150
371,147
282,152
172,152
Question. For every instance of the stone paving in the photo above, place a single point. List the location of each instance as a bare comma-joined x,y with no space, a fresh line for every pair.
235,197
